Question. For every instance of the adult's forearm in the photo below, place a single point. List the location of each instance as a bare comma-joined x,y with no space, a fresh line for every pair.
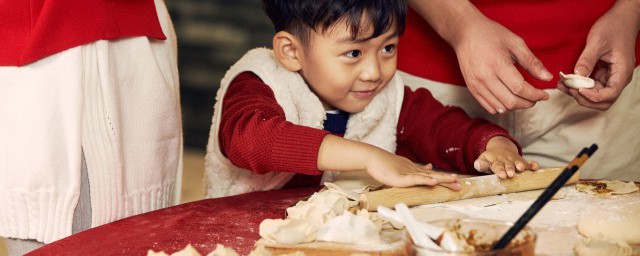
448,18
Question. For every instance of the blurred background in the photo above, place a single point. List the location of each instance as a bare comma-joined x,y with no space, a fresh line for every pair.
212,35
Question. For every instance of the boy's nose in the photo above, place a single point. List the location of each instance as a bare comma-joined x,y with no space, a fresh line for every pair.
371,72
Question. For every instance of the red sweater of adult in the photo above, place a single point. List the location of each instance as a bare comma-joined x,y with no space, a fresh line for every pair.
34,29
555,31
255,135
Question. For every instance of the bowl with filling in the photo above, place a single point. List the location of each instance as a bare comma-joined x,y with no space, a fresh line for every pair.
477,237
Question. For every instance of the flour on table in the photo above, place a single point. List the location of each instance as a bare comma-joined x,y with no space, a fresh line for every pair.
606,187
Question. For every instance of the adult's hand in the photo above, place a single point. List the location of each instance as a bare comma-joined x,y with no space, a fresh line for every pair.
487,53
610,52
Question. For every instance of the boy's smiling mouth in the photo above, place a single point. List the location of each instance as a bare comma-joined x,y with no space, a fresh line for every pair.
364,94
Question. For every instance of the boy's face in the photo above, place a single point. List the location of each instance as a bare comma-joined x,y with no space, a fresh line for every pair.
347,74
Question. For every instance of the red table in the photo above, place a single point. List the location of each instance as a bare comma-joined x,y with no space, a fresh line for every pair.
231,221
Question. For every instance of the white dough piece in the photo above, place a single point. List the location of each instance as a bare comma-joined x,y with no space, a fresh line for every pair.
597,247
321,207
187,251
620,223
576,81
221,250
606,187
350,228
287,231
358,181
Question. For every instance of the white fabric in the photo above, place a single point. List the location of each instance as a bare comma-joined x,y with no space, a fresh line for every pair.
119,101
375,125
554,131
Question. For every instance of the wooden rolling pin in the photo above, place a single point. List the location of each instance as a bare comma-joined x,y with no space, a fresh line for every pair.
480,186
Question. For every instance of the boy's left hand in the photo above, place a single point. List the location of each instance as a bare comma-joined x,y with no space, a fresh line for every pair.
501,157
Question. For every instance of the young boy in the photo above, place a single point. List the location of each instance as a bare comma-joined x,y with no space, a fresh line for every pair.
327,98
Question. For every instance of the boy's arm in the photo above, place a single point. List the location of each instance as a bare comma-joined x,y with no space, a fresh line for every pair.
255,135
445,136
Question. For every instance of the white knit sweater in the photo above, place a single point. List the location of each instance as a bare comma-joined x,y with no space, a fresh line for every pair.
375,125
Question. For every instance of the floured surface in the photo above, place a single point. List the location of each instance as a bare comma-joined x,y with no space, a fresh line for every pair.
556,224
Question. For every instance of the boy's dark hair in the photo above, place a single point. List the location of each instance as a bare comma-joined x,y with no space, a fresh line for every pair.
299,17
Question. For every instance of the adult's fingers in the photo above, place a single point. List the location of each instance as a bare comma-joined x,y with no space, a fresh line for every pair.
514,81
583,101
588,58
613,85
523,56
488,90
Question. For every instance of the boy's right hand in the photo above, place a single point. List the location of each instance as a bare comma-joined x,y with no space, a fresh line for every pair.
387,168
398,171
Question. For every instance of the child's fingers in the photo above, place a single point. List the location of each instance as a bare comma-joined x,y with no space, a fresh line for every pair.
533,165
482,165
498,169
419,178
510,169
521,166
443,177
451,185
428,166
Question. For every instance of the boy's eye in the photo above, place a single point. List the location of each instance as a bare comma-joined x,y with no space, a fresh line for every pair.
389,48
353,54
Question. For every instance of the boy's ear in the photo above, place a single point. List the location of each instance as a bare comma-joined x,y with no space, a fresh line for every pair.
287,49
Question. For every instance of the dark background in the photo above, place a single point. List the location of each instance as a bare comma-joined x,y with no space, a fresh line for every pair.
212,35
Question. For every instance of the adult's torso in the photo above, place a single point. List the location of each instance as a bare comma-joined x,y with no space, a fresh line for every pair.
34,29
555,30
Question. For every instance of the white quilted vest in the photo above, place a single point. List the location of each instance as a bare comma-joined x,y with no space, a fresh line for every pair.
376,125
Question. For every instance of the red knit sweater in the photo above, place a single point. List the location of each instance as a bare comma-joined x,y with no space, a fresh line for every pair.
255,135
34,29
556,32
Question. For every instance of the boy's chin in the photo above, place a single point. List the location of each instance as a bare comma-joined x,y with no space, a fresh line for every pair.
354,109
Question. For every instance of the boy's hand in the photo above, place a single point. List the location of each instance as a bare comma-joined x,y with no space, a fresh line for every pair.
397,171
501,157
387,168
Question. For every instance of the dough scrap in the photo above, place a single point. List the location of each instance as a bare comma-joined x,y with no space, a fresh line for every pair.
597,247
350,228
187,251
358,182
619,223
287,231
321,207
606,187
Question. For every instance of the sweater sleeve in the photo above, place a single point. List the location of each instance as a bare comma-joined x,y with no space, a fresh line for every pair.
255,135
445,136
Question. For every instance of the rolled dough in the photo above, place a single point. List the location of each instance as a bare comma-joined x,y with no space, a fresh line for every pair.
597,247
620,223
606,187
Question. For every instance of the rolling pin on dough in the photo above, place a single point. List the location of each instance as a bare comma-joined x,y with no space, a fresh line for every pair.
480,186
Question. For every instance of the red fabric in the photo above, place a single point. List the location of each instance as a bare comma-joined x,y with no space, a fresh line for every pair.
255,135
554,34
32,30
231,221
